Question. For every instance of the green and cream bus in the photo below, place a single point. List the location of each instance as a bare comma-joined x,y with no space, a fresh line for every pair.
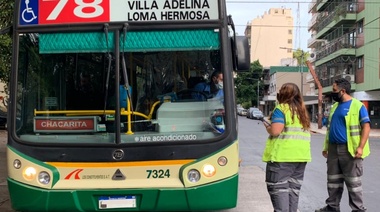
102,114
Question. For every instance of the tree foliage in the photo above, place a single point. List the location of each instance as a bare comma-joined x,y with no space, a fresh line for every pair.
301,56
6,20
246,85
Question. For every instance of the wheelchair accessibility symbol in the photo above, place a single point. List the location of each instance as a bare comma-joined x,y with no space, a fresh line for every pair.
28,13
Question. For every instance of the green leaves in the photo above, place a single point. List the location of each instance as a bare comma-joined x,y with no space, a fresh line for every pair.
301,56
6,20
246,85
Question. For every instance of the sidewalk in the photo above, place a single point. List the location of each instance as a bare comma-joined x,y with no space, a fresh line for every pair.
314,128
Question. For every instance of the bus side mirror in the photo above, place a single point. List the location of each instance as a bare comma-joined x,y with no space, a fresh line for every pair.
243,62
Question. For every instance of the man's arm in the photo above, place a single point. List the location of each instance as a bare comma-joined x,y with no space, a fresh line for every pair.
365,125
363,139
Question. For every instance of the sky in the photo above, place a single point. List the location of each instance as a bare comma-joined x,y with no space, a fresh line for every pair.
243,11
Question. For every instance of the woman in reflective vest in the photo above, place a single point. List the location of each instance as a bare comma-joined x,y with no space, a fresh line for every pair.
287,149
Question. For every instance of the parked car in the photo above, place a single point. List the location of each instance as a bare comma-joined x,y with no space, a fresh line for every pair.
254,113
243,112
257,115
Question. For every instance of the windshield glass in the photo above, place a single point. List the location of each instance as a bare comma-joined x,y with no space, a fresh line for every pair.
68,88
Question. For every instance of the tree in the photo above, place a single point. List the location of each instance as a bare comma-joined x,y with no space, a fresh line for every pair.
246,85
301,56
6,20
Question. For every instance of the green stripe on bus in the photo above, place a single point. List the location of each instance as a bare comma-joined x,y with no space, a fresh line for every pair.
213,196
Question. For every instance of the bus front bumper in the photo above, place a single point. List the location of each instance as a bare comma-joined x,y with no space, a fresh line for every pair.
214,196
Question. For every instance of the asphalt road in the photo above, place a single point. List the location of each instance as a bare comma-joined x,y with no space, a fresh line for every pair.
253,196
314,189
5,205
252,190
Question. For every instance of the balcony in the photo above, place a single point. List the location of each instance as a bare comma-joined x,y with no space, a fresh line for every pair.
344,42
327,84
311,42
341,67
312,5
321,4
337,15
313,20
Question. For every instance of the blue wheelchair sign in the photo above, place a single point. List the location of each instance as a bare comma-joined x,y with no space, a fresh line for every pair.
28,12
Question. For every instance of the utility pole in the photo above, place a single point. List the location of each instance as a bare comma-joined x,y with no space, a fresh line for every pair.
258,92
302,61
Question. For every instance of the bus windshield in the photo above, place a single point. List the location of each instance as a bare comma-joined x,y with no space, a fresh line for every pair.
80,87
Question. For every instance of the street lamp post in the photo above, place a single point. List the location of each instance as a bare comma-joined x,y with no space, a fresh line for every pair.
258,90
302,61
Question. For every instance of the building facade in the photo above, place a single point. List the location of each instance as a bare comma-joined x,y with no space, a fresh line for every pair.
345,42
269,32
275,77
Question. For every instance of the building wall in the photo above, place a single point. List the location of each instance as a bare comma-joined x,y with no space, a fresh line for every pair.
370,49
268,33
366,86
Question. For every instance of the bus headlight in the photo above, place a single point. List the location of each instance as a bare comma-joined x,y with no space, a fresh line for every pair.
44,178
208,170
17,164
193,175
29,173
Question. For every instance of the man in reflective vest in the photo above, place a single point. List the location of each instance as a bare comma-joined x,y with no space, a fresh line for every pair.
346,145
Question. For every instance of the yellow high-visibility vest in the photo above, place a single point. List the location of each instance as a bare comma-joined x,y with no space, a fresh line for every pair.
293,143
353,128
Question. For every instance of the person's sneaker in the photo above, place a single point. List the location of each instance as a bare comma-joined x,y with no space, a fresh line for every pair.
327,209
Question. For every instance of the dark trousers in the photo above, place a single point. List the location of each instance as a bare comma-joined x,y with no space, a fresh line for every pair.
343,168
284,181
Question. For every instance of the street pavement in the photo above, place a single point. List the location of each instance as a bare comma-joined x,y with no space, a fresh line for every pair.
314,128
253,195
5,205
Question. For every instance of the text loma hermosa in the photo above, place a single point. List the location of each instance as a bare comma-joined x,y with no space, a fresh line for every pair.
171,15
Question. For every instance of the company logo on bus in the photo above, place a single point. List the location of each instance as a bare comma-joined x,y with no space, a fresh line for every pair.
118,154
75,173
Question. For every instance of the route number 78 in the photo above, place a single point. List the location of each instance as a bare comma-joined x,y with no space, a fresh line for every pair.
65,11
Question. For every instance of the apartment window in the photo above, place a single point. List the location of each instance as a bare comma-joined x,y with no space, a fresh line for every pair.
290,31
352,39
360,26
360,62
290,41
290,50
352,7
332,71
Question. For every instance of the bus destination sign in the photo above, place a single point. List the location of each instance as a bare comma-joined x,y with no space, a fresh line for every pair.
65,124
34,12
